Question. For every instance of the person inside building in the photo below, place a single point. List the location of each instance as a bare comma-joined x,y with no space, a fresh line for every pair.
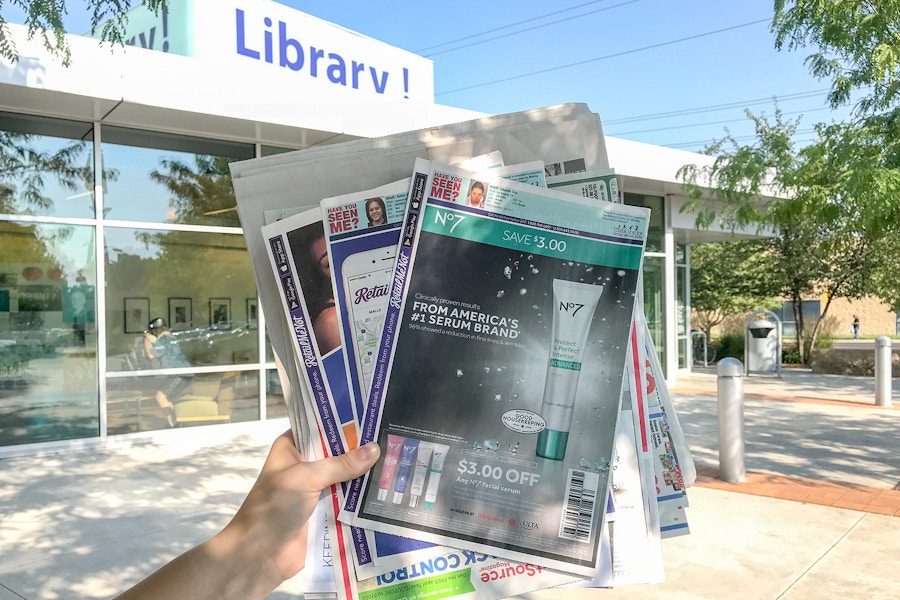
264,545
162,349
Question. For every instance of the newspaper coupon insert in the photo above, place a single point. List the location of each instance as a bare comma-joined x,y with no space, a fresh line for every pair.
500,369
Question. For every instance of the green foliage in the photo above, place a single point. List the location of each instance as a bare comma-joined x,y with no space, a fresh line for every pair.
790,350
24,170
790,354
45,18
730,345
856,45
885,281
742,176
200,190
830,210
730,278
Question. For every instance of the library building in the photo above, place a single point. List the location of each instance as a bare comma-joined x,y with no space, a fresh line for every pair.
128,307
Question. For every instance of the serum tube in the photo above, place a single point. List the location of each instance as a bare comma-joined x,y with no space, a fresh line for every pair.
573,309
438,455
394,445
404,467
417,483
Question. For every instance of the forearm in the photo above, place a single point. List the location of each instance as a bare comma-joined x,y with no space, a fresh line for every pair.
222,568
265,542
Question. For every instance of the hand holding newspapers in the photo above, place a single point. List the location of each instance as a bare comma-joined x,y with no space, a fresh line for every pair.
483,335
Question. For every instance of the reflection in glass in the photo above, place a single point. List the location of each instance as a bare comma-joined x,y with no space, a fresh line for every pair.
203,399
655,303
657,227
47,167
682,318
48,336
180,269
164,179
275,401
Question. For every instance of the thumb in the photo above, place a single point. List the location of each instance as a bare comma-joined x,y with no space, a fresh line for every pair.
344,467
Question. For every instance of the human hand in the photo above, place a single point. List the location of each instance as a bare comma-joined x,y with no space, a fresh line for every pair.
265,542
272,521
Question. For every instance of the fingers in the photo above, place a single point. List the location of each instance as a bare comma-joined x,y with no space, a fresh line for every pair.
283,453
323,473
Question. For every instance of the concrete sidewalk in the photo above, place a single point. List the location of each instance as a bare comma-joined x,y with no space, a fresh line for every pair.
88,524
792,384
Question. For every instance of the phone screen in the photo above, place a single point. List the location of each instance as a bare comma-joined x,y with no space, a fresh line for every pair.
367,299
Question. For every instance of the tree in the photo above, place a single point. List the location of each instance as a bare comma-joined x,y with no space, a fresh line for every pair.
201,192
828,207
45,18
857,46
730,278
835,213
24,169
884,281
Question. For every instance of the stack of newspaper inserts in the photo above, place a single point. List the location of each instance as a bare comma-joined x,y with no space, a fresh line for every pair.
469,297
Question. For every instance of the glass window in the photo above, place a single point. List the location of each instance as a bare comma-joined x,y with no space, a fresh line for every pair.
657,228
273,150
48,338
682,302
276,406
161,178
177,300
200,283
655,303
811,311
48,167
147,401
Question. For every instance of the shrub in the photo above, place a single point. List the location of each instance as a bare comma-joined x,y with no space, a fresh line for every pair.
790,355
729,344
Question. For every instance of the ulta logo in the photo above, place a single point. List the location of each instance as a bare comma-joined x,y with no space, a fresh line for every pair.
565,306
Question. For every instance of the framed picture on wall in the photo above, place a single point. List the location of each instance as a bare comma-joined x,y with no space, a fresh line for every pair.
252,313
180,314
137,314
220,313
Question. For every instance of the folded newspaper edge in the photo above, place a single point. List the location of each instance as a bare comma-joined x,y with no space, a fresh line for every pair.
568,132
556,136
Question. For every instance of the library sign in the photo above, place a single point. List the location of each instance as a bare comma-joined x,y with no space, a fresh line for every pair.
287,42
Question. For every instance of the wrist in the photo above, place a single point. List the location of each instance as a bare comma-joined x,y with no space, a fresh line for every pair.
248,570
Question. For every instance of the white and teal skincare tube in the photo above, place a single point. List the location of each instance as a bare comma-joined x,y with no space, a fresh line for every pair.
417,483
438,456
573,309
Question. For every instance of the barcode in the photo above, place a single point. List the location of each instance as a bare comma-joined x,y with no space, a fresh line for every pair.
578,515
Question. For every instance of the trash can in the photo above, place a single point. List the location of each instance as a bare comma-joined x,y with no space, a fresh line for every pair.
762,351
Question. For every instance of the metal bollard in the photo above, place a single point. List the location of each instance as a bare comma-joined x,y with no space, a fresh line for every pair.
730,390
883,371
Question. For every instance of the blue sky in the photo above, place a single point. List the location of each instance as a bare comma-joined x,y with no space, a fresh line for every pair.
668,72
627,59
